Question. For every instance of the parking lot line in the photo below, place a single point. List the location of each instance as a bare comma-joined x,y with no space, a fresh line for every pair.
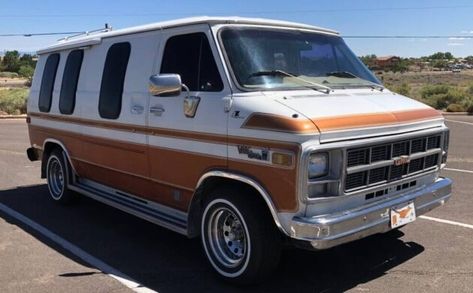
447,222
13,152
91,260
461,122
458,170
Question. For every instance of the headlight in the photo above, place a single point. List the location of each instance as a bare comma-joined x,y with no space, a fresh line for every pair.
318,165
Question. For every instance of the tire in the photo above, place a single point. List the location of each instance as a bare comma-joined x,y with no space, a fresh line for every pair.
239,237
58,177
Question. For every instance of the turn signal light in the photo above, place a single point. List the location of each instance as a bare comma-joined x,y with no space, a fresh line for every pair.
281,159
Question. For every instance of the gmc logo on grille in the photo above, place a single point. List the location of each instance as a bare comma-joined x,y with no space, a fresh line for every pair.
401,160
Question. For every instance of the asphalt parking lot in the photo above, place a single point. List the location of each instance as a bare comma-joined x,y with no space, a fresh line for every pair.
50,248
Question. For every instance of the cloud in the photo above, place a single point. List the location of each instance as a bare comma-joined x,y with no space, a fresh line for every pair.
456,38
455,44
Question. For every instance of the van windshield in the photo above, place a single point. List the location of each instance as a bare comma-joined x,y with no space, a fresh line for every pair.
286,59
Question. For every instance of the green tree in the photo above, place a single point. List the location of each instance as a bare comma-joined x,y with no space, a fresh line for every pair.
27,59
441,56
437,56
369,60
11,61
401,66
439,64
449,56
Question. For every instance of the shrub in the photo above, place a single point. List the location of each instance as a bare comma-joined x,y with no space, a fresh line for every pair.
469,90
7,74
455,108
469,109
430,90
26,71
440,96
13,101
404,89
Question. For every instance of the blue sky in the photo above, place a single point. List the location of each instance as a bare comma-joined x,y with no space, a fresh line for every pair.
354,17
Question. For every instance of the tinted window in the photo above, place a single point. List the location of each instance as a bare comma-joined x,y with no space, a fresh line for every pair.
111,90
47,83
190,56
67,98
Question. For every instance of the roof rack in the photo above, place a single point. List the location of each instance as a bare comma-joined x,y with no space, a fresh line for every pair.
107,28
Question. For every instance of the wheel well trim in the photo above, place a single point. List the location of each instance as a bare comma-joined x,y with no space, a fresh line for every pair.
260,189
55,141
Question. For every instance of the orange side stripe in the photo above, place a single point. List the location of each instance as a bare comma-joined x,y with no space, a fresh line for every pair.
175,133
424,114
263,121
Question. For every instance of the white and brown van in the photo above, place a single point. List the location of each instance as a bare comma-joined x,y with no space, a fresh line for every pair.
248,133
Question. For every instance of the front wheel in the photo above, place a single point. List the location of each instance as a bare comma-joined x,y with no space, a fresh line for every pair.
239,238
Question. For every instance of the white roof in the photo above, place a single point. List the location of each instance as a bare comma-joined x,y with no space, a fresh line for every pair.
92,39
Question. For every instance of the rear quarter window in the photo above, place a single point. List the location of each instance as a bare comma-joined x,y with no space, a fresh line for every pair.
47,82
67,97
113,78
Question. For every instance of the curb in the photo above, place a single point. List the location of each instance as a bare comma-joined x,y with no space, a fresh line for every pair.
12,117
456,113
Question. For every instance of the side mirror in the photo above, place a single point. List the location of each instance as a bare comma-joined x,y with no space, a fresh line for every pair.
165,84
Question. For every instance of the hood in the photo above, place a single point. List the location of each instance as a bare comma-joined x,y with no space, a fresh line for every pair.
362,114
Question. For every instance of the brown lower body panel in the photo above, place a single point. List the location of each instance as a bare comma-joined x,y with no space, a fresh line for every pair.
145,188
161,175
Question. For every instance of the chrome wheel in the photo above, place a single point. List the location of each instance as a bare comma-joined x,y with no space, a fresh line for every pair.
238,236
55,177
227,237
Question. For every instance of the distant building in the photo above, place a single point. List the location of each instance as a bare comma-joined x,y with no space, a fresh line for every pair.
386,62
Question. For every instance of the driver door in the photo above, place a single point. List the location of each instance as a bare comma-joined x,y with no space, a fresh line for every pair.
183,145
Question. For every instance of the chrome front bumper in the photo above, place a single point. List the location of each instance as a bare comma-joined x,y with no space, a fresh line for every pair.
334,229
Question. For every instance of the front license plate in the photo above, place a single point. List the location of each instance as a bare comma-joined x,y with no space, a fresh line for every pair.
402,215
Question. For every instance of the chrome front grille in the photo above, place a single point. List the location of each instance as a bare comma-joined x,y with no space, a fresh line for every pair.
358,157
382,163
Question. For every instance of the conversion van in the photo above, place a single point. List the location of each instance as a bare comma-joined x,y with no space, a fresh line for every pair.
248,133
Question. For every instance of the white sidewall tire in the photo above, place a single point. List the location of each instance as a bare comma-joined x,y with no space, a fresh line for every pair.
54,157
204,235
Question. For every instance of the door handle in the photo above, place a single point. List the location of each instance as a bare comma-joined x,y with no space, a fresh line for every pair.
156,110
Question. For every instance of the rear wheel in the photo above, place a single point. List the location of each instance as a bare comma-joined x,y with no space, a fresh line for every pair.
58,175
239,238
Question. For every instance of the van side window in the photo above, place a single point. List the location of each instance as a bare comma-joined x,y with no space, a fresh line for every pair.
67,98
190,56
47,83
113,78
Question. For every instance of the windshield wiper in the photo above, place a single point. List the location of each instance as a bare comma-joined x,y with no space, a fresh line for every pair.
346,74
315,86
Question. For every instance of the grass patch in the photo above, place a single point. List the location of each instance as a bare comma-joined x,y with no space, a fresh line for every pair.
6,74
444,90
13,101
